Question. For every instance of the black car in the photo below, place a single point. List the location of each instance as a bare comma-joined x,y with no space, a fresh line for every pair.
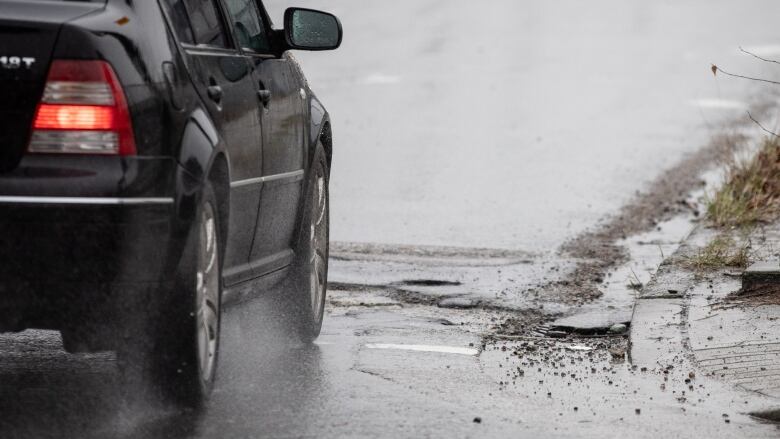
157,157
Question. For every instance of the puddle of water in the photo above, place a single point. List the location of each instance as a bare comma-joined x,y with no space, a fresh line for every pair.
426,348
430,283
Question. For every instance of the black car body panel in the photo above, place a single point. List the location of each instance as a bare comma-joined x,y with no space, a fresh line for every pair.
28,32
79,230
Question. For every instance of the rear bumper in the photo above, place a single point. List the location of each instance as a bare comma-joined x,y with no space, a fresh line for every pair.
73,248
50,242
65,263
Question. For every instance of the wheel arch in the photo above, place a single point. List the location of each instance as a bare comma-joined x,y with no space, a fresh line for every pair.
320,130
219,177
326,138
204,158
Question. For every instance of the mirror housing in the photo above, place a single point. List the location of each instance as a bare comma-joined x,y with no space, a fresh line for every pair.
309,29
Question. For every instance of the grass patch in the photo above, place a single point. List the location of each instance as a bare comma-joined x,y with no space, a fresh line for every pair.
751,193
721,252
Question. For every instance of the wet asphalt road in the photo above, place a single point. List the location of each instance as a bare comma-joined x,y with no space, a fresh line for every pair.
373,374
520,124
513,126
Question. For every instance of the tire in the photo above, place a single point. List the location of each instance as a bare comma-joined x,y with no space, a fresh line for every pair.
309,277
174,350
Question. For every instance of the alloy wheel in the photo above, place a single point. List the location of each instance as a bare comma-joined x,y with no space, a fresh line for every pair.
208,302
319,244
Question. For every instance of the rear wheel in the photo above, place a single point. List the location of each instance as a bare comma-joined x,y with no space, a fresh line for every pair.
176,350
208,292
309,279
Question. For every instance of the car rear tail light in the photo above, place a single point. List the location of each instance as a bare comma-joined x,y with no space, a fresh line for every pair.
83,111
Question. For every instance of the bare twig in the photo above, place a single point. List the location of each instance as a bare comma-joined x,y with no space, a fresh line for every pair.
636,282
761,126
718,69
758,57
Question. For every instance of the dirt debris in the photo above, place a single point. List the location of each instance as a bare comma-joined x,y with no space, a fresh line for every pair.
598,250
766,295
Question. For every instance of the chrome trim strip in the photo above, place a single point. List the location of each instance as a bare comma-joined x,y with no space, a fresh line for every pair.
204,49
292,176
249,182
92,201
287,176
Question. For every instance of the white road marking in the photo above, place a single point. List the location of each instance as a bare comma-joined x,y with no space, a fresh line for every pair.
381,79
424,348
722,104
579,348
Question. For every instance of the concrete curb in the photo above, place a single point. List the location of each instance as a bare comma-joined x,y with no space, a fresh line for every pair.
684,319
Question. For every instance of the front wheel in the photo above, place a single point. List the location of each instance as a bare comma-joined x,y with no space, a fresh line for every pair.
309,278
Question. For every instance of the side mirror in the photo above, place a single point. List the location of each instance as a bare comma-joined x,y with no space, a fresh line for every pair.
307,29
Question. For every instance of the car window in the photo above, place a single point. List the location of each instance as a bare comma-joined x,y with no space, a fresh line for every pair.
179,21
247,24
206,24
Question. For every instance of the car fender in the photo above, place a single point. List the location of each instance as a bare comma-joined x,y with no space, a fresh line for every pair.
200,146
319,128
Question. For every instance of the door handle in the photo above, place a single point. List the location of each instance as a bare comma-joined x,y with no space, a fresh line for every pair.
215,93
265,97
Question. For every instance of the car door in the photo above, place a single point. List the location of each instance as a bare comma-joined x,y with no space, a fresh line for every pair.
278,92
283,158
222,75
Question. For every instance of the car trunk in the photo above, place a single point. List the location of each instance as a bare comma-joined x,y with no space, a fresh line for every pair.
28,33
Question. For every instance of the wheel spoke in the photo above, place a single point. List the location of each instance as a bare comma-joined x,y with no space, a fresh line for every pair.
207,284
320,209
318,235
211,251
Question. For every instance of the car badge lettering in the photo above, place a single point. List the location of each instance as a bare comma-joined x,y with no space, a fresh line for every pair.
16,62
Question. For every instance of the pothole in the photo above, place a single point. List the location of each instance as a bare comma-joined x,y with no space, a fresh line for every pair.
429,283
616,329
552,331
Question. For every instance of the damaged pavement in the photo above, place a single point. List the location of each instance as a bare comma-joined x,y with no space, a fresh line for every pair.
656,347
456,342
554,175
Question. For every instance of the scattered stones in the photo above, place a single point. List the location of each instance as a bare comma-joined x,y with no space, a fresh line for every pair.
618,328
617,353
